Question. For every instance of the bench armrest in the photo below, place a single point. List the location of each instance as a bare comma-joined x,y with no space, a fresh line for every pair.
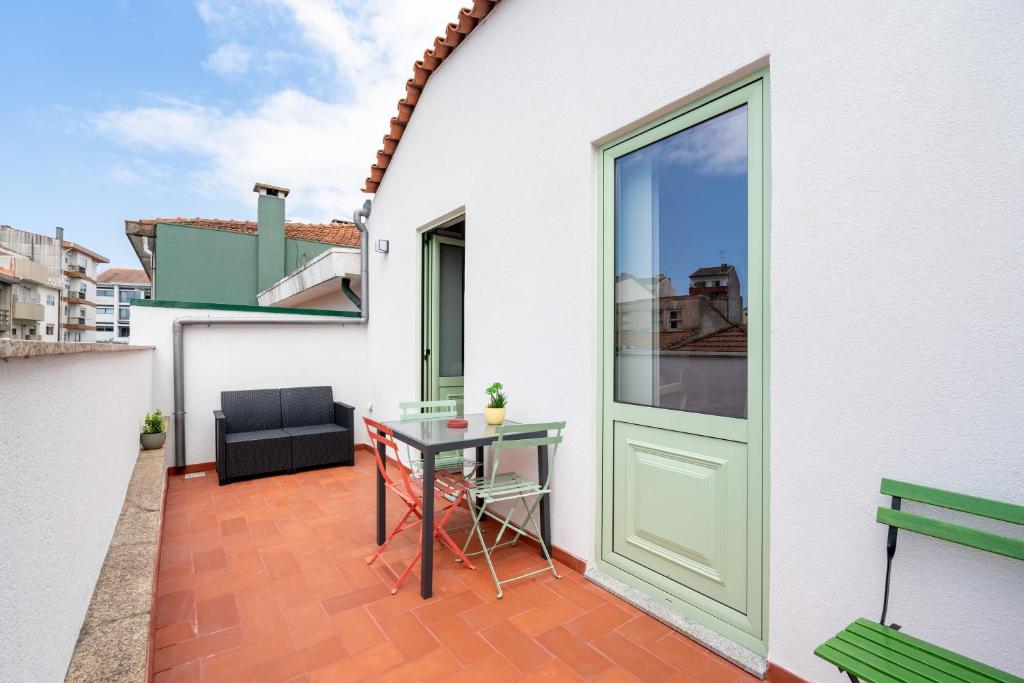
344,415
219,415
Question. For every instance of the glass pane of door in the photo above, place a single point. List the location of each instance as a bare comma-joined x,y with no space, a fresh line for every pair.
451,276
681,270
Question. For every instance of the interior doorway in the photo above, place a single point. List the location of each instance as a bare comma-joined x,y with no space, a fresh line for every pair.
443,311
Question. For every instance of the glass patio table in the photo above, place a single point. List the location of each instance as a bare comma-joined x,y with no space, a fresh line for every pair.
431,437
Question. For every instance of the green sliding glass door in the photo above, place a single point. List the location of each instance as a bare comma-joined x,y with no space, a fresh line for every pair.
443,319
683,328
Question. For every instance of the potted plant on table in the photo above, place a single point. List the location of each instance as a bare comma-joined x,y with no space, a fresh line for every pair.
153,431
494,413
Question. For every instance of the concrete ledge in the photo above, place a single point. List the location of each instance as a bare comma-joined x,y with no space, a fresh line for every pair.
717,643
113,644
23,348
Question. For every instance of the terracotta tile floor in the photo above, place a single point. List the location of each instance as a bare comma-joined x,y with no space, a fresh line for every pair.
265,580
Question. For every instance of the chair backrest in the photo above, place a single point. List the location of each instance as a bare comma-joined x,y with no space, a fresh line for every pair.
304,406
380,433
553,441
948,531
427,410
251,410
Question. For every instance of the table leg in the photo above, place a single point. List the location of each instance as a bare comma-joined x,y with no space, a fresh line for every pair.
479,471
382,533
427,559
545,506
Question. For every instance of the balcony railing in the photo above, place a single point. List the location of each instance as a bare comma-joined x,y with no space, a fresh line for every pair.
26,297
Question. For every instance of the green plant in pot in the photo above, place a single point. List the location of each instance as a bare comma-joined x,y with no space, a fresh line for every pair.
153,431
494,413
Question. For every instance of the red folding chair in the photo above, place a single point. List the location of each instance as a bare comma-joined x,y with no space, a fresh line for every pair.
410,491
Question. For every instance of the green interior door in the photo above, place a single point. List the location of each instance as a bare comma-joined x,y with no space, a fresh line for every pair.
444,321
682,331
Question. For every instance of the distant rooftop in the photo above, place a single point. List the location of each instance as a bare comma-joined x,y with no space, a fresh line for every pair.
125,276
339,233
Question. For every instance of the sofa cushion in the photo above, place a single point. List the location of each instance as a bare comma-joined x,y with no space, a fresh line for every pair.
308,430
303,406
251,410
261,435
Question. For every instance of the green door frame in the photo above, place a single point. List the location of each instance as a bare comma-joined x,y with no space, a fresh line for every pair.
750,630
426,275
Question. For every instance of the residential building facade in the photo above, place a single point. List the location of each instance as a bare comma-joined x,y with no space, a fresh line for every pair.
725,445
56,289
79,270
200,260
116,289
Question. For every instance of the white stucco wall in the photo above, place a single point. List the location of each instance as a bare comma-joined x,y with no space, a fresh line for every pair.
896,175
223,358
69,438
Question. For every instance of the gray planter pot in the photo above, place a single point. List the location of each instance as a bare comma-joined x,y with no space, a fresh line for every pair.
153,441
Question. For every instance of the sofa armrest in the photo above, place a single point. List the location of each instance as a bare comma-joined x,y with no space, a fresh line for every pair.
344,415
219,431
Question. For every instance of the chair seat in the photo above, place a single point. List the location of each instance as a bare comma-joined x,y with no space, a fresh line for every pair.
313,429
505,486
878,654
262,435
449,460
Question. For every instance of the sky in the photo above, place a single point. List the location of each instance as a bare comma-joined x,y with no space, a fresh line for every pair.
125,109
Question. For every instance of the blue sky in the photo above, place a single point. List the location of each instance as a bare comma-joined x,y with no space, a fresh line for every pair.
128,109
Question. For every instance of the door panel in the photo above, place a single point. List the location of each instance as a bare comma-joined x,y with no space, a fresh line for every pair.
682,339
680,508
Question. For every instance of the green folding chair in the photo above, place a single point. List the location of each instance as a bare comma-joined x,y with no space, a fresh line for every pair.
512,487
417,411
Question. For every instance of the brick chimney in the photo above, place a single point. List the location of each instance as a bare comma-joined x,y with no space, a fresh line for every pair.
270,238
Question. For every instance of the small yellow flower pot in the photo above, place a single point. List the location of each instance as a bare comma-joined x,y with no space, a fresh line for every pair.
494,416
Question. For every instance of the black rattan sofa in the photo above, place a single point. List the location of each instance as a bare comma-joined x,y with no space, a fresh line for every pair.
269,431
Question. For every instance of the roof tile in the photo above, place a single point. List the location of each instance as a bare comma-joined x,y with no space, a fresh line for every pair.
340,233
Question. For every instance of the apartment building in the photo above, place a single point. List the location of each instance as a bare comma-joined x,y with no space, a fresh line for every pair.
116,289
52,296
29,295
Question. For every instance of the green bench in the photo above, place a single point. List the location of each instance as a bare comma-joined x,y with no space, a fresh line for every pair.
878,653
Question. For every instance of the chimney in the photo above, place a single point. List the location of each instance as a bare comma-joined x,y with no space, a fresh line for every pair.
270,238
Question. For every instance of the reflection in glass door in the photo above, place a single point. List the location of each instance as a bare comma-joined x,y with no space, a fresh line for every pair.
682,328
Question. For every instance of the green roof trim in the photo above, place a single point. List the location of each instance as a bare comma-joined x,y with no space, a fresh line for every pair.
157,303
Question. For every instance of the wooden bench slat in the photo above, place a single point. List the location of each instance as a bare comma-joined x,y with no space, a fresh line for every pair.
934,659
854,665
883,660
908,658
846,662
983,507
983,540
965,662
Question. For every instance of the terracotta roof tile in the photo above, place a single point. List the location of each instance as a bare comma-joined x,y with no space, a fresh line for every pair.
133,276
340,233
455,33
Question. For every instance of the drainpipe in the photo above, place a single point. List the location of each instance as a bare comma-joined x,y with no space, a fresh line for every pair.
179,325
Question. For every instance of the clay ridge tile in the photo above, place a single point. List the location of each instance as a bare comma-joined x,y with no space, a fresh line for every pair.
454,34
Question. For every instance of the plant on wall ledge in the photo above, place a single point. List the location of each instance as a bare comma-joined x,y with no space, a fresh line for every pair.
494,413
153,435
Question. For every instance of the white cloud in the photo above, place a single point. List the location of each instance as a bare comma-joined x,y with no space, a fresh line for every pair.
230,59
716,147
320,147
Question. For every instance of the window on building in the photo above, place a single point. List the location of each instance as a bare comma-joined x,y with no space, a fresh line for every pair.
104,292
104,328
51,300
49,329
127,295
123,331
124,313
104,310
